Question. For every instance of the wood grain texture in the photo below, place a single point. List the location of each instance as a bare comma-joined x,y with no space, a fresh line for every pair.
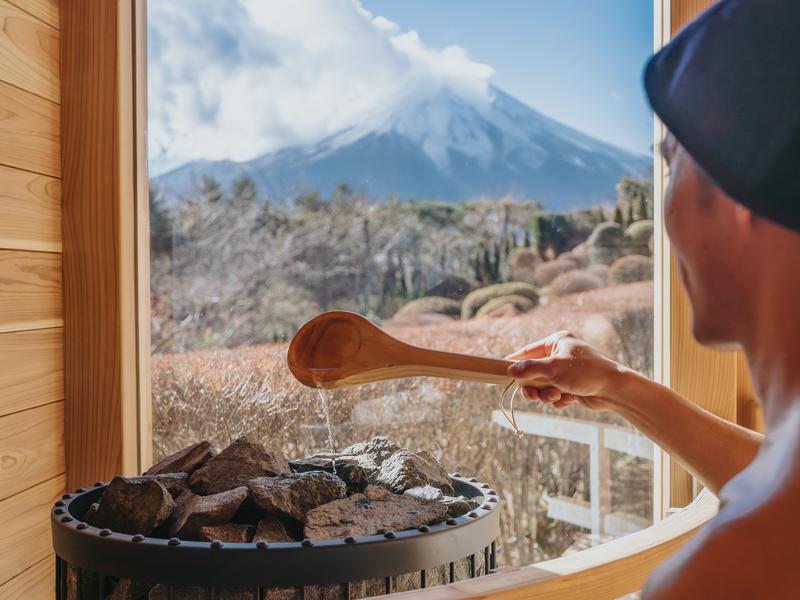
92,323
30,290
46,11
25,531
748,409
30,211
31,448
28,53
32,372
29,132
34,583
684,11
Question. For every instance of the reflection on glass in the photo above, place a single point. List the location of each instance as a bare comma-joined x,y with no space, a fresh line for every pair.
401,171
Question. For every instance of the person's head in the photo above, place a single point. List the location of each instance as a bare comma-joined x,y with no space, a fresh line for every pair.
728,257
725,90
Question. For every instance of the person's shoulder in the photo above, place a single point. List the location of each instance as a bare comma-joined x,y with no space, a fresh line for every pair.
746,551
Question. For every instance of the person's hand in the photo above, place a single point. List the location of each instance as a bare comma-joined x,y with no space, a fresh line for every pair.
572,370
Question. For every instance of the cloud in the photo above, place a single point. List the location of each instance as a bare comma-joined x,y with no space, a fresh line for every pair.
237,79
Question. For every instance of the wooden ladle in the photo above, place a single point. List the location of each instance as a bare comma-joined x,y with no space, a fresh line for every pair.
340,348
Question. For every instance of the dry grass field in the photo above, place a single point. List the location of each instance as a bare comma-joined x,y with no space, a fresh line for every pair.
221,394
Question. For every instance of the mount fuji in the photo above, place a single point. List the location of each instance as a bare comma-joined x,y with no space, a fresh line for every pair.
446,145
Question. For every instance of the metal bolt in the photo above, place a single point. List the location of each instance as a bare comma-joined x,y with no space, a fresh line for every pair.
306,543
456,475
98,483
80,490
82,526
173,542
105,532
58,511
424,529
137,538
60,503
486,507
451,521
492,499
216,544
349,540
484,486
261,545
492,493
473,479
67,496
66,519
389,535
472,514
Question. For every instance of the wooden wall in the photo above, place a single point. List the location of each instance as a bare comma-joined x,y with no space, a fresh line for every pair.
31,320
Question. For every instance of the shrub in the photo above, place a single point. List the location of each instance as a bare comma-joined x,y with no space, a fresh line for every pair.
600,271
629,269
639,235
437,305
607,243
546,272
573,282
452,286
520,303
481,296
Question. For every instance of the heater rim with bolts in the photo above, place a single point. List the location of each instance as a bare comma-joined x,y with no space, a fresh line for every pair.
290,564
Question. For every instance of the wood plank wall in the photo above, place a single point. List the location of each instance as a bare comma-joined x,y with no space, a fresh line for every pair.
31,313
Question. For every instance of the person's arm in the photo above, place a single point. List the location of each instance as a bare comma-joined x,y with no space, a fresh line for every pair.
713,449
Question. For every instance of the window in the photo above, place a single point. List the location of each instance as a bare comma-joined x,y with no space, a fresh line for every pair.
467,177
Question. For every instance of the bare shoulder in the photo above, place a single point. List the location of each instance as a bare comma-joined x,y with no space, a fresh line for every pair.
747,551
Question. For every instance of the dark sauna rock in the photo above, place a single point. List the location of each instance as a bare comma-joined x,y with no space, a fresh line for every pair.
274,529
367,455
373,512
404,470
353,475
91,513
425,492
187,460
240,462
228,532
295,494
176,483
456,506
193,512
133,505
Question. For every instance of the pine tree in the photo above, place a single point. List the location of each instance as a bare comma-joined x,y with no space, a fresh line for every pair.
211,190
244,190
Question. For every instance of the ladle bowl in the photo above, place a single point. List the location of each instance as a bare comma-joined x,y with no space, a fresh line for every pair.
341,348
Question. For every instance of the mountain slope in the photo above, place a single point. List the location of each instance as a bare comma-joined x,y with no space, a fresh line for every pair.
445,147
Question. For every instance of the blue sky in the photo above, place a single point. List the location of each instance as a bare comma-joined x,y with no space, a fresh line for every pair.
578,61
236,79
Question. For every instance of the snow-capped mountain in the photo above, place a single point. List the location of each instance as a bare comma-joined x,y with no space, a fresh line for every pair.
446,146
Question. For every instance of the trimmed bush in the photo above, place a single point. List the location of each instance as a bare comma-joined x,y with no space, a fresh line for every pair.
481,296
629,269
520,303
607,243
546,272
573,282
599,271
639,235
452,286
431,305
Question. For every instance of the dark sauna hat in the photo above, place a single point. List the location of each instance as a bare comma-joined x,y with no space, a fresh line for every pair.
728,88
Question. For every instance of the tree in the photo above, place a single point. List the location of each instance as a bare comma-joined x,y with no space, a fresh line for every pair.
160,225
617,216
211,190
244,190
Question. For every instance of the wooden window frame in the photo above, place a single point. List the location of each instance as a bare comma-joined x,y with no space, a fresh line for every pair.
107,321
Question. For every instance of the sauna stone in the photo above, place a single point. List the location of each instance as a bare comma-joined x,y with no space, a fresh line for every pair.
176,483
187,460
457,506
229,532
296,494
193,512
373,512
272,529
240,462
405,469
425,492
353,475
133,505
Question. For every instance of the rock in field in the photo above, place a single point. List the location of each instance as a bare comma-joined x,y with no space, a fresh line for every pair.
294,495
193,512
272,529
240,462
404,470
375,511
133,505
353,475
187,460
